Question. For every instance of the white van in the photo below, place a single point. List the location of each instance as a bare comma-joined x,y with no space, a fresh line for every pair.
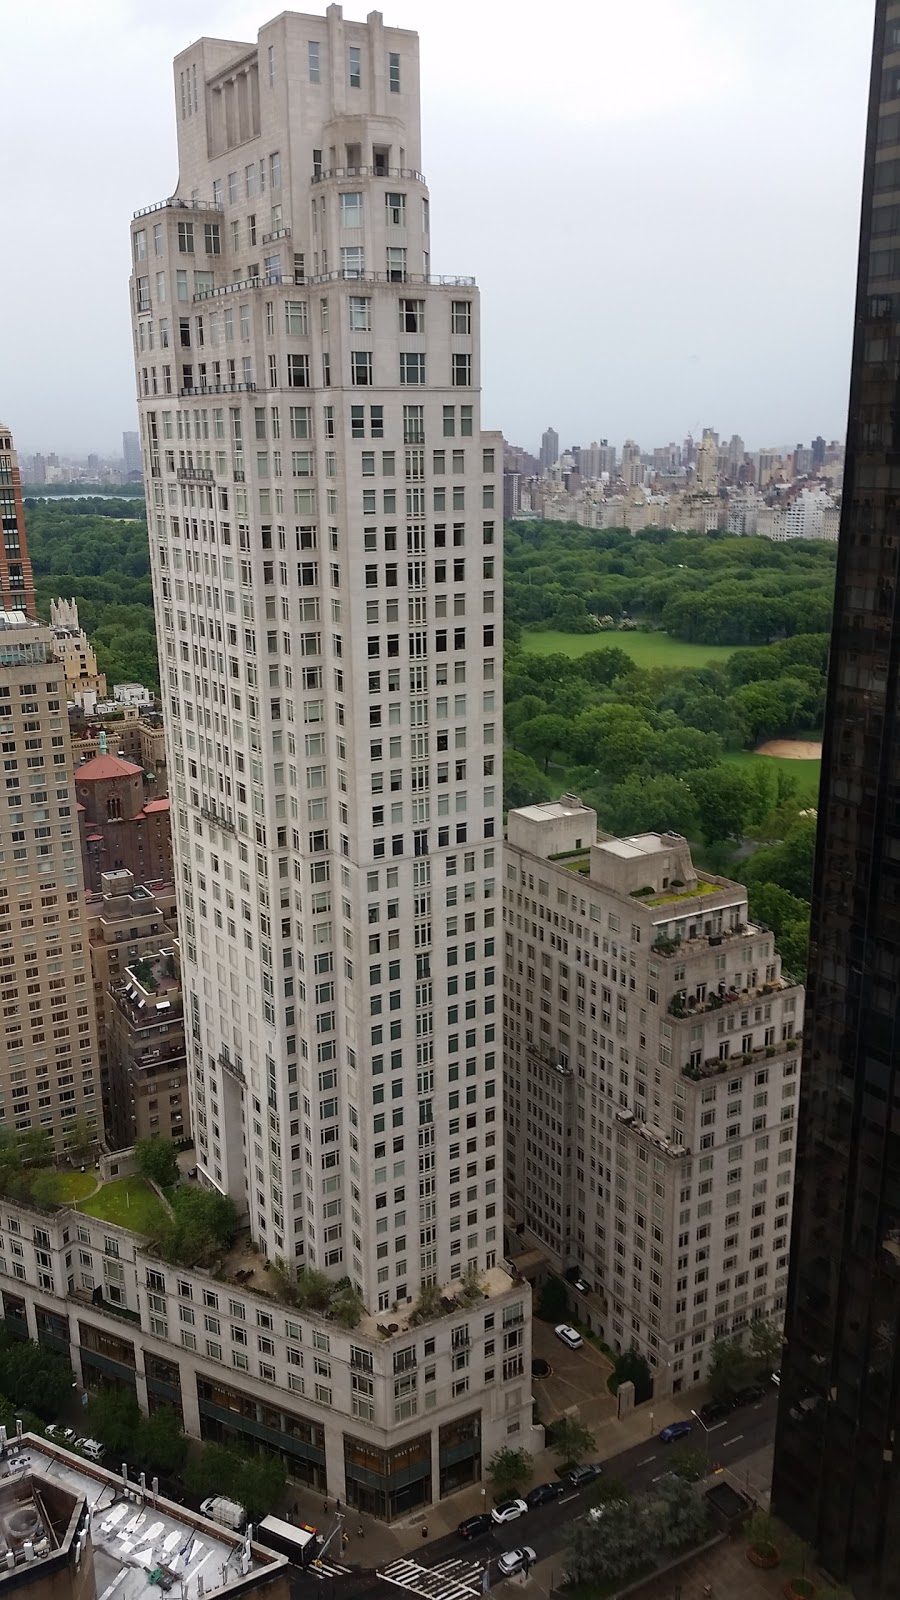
569,1336
92,1449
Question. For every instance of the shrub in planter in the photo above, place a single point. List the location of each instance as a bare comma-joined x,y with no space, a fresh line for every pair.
763,1554
800,1589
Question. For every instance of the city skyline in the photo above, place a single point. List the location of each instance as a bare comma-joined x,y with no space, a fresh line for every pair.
695,97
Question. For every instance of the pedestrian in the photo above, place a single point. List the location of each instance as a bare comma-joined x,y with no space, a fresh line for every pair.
359,1531
424,1530
337,1504
325,1507
296,1508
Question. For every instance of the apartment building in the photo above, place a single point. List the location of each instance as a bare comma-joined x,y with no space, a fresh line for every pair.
85,683
146,1052
390,1415
124,922
48,1045
324,529
122,825
16,580
650,1082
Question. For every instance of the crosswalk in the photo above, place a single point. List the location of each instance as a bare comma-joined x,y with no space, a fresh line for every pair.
449,1580
323,1568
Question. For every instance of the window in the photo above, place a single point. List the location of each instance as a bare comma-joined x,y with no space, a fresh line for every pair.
312,55
361,367
396,264
295,317
353,262
412,368
461,371
394,73
355,66
412,316
396,209
298,371
186,238
275,170
212,238
461,316
360,314
351,210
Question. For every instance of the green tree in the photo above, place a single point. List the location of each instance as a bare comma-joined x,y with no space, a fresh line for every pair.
572,1440
731,1368
674,1515
202,1226
347,1307
766,1345
607,1489
690,1464
789,863
630,1367
613,739
553,1300
160,1444
509,1471
33,1377
80,1139
674,751
663,804
542,737
724,799
113,1417
157,1160
524,783
606,1545
36,1147
314,1289
602,667
46,1188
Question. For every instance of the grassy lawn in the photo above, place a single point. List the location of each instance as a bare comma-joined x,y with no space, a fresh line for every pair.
129,1202
75,1186
647,649
804,773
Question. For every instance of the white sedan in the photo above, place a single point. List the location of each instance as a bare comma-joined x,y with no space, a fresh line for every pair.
509,1510
569,1336
516,1560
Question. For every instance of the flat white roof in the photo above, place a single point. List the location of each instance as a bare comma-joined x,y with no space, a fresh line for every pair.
132,1538
550,810
642,844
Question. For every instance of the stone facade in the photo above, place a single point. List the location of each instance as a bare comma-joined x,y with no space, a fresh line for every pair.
651,1071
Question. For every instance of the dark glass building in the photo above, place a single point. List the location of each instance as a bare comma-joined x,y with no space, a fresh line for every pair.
837,1461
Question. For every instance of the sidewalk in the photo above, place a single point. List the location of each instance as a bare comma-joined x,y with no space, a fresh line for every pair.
382,1542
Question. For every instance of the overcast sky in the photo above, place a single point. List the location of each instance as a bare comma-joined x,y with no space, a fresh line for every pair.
659,199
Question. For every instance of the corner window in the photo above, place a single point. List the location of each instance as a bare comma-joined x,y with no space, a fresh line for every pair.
394,73
355,66
312,53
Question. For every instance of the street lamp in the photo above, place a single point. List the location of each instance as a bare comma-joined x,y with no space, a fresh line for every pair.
706,1431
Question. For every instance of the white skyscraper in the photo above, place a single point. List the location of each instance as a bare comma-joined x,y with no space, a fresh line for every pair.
325,535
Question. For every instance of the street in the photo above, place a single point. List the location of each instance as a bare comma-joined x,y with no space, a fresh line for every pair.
454,1565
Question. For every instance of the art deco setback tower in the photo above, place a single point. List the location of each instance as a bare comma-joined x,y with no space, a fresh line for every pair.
16,581
327,581
837,1470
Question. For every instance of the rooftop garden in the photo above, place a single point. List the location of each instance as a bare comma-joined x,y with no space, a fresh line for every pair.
674,893
128,1203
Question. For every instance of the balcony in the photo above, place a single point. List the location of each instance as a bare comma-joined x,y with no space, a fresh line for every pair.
234,1066
219,388
279,233
174,204
195,475
265,280
435,282
713,1066
325,174
216,818
691,1005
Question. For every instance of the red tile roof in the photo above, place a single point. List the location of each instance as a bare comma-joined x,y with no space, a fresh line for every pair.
104,767
156,805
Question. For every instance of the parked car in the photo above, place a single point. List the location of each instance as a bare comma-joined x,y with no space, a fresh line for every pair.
675,1430
474,1527
714,1411
92,1448
543,1494
508,1511
776,1379
750,1395
586,1473
55,1430
516,1560
569,1336
582,1286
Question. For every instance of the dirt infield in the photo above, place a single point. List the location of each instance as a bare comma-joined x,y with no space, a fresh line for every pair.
790,749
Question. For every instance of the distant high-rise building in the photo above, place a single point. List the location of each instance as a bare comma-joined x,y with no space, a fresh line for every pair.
837,1468
818,451
48,1049
16,581
39,468
549,449
338,839
632,470
131,451
607,458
